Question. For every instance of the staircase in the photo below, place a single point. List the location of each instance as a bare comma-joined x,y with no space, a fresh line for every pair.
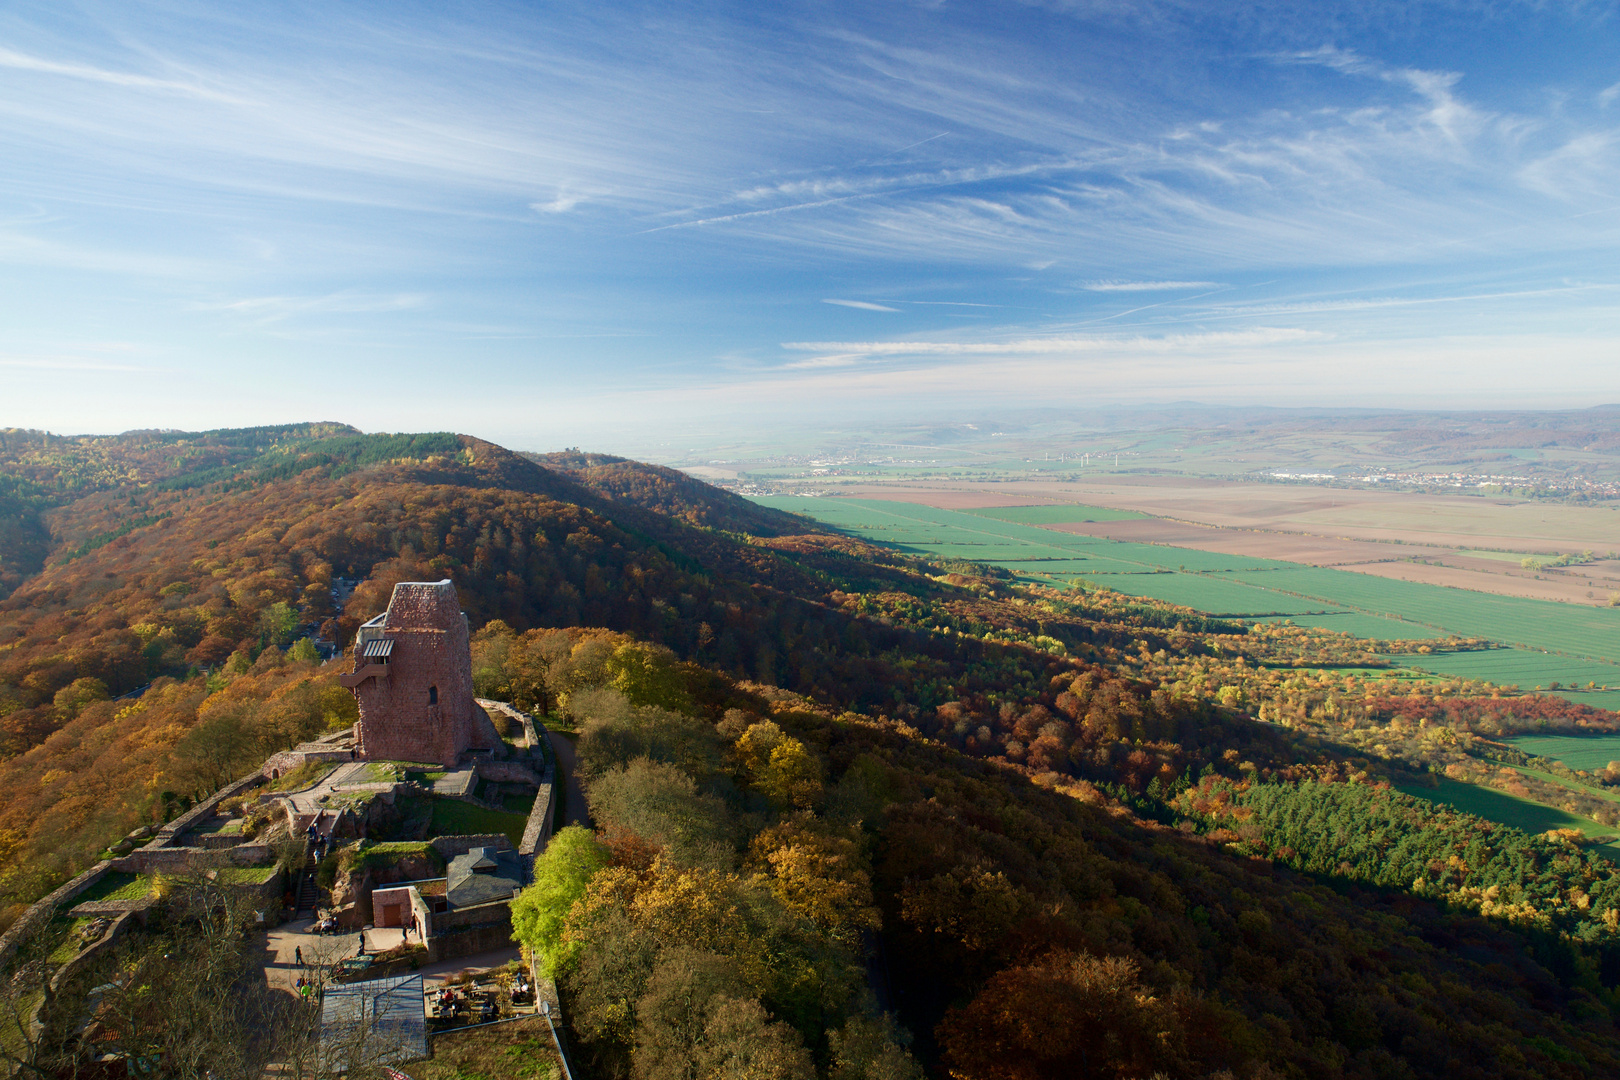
308,894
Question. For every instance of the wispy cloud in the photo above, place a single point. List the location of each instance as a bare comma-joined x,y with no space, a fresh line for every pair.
1146,286
264,310
563,203
1052,346
592,180
864,305
68,362
10,58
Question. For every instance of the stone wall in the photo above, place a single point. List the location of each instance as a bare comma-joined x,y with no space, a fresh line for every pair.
507,772
451,846
108,938
167,835
542,815
172,860
422,709
288,760
42,910
498,913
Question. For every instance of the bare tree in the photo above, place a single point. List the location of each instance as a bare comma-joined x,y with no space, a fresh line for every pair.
29,1042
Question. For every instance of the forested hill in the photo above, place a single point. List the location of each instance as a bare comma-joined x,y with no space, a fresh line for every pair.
153,572
673,494
1034,784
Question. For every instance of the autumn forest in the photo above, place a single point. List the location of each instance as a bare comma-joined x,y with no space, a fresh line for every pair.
891,817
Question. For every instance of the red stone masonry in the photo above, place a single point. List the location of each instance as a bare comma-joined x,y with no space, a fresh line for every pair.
419,706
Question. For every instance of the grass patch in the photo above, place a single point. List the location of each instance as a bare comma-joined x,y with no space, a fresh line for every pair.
452,817
73,942
1499,806
380,772
427,776
520,1050
310,772
379,856
116,885
244,875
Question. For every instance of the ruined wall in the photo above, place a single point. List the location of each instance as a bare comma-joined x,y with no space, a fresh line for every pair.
461,843
399,718
190,860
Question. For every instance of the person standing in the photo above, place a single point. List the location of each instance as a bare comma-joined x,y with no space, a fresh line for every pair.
298,955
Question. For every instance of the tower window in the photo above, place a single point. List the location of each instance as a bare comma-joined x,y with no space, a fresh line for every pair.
433,695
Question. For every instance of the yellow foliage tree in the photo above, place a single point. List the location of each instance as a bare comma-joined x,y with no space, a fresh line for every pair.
818,876
782,767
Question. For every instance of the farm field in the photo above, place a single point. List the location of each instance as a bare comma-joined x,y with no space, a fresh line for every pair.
1448,521
1072,513
1235,585
1527,670
1499,806
1576,629
1454,541
1578,752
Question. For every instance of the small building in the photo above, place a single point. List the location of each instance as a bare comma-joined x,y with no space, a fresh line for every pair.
467,911
483,875
410,904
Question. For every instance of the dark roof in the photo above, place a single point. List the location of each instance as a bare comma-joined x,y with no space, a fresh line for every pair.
376,1021
483,875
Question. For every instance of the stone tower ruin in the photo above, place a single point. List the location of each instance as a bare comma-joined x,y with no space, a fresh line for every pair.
413,678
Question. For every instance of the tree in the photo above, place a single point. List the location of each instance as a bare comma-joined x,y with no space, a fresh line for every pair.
781,765
1071,1015
561,875
71,699
818,876
647,676
698,1020
660,803
871,1049
277,624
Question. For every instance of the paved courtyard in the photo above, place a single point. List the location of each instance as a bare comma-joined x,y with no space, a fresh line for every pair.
280,947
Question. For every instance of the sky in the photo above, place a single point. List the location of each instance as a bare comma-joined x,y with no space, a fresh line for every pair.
577,223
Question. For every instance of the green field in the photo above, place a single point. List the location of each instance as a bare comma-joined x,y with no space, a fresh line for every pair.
1578,629
1590,752
1514,557
1072,513
1528,670
1367,626
452,817
1507,809
1237,586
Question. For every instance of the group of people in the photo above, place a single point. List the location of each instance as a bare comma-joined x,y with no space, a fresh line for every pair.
317,842
306,989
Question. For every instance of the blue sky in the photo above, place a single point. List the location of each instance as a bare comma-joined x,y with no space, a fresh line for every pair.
558,223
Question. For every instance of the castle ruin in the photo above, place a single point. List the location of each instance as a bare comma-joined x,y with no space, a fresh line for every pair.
413,678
